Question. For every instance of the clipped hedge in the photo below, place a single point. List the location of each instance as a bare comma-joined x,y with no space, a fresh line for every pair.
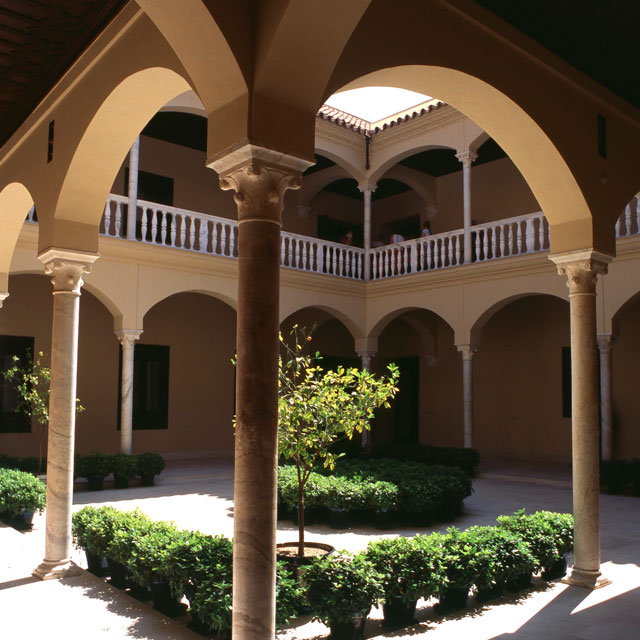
20,491
412,490
466,459
191,563
199,566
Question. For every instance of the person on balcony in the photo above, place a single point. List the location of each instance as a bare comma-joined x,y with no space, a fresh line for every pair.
426,229
347,238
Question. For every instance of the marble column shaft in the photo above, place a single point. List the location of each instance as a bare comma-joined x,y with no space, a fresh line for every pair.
66,270
259,187
467,352
606,405
466,158
365,357
367,190
582,271
127,338
132,192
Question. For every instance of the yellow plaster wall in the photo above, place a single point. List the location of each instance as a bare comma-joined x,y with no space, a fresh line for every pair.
498,191
625,374
518,382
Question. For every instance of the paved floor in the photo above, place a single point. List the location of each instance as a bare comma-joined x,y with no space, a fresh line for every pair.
198,495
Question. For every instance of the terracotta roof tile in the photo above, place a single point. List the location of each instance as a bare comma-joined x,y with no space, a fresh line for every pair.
359,125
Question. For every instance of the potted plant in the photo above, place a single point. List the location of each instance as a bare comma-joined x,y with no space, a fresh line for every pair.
124,466
381,499
341,589
148,465
318,408
21,496
410,569
92,530
94,467
460,570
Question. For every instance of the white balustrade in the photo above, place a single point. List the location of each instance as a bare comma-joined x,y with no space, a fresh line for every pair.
181,229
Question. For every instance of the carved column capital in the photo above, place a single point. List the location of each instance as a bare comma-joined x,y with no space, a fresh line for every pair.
605,342
67,268
3,297
128,337
466,158
467,350
259,178
367,187
582,269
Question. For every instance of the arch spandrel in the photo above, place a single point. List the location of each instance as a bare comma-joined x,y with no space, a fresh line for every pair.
381,322
98,156
344,315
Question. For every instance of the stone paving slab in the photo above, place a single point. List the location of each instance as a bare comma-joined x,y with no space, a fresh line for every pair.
199,495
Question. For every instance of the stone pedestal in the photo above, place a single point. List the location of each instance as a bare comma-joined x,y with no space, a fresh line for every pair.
259,178
127,338
66,269
582,269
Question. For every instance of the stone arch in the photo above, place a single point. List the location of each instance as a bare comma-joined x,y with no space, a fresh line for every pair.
323,147
619,312
412,179
99,292
481,320
313,184
392,161
338,314
532,148
478,142
104,143
151,303
386,319
15,203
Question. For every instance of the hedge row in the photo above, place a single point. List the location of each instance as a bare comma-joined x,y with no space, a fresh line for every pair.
620,476
410,490
336,587
142,553
466,459
398,571
92,465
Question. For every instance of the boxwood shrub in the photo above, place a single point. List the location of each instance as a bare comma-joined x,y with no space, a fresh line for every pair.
20,491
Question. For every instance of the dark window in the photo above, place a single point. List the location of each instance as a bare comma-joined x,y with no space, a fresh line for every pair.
566,382
10,421
150,387
152,187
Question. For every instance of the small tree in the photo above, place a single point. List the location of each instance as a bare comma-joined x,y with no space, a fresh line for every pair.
32,378
317,408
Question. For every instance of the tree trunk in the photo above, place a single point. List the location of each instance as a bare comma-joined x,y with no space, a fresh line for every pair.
300,520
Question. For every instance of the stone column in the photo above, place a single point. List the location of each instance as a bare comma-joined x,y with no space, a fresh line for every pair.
127,338
606,406
467,158
467,352
259,177
582,269
365,357
134,156
66,269
367,190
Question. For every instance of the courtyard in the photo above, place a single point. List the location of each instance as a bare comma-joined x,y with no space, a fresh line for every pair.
198,494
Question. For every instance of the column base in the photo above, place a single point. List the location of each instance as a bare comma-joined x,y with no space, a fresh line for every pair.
585,578
54,570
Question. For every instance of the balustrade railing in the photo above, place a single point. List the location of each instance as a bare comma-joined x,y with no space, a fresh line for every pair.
182,229
172,227
628,223
320,256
